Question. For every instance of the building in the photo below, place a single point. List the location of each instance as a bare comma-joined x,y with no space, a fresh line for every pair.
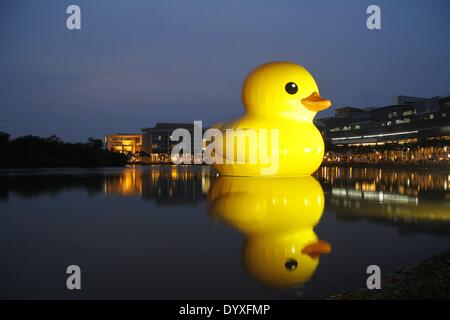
157,141
412,131
124,143
410,120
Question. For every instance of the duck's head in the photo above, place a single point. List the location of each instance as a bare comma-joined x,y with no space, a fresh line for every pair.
282,88
285,260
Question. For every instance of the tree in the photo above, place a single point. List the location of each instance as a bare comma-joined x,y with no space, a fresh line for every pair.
31,151
54,138
96,143
4,138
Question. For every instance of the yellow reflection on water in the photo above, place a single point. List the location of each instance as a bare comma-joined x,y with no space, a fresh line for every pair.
172,182
393,196
128,183
277,216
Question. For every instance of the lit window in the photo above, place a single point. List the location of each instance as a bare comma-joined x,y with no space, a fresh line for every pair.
401,121
392,115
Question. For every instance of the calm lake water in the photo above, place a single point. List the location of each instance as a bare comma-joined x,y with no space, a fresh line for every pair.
182,232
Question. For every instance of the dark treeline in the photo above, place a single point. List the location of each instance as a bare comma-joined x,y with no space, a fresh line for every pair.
31,151
29,186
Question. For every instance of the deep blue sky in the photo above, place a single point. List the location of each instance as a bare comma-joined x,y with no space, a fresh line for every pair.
138,62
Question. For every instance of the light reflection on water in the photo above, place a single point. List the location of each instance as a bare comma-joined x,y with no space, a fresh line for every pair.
417,199
183,232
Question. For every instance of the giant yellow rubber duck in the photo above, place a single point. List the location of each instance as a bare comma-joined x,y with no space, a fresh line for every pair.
277,216
282,96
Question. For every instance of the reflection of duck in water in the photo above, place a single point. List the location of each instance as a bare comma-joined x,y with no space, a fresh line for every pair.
277,216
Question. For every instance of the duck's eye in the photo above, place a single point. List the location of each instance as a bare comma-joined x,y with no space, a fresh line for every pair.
291,88
291,264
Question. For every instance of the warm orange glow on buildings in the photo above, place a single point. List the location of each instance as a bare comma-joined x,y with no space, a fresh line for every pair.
124,143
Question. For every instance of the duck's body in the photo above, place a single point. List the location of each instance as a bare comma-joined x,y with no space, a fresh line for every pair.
281,100
300,147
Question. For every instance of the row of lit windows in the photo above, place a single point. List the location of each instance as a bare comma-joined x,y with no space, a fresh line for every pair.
398,121
430,116
125,139
405,113
346,128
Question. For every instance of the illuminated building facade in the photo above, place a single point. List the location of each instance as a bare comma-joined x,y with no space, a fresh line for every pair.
124,143
410,119
413,130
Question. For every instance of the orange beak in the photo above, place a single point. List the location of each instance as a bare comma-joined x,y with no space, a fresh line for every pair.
314,250
315,103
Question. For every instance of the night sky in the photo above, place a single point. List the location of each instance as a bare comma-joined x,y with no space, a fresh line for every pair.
135,63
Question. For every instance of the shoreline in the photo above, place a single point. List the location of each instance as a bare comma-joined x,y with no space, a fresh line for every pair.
417,167
420,167
427,279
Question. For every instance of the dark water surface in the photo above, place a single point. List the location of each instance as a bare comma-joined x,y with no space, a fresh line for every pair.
181,232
